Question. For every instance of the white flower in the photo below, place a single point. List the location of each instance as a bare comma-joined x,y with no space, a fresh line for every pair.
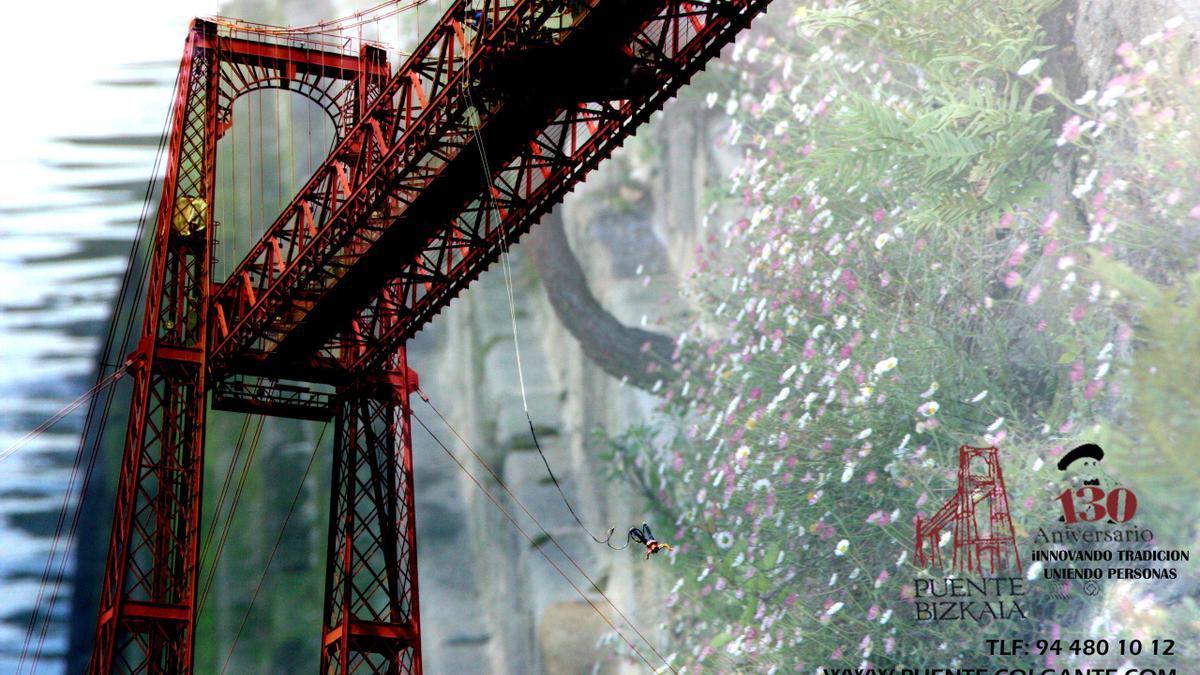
833,609
723,539
996,425
841,547
980,396
848,472
928,408
882,240
711,99
933,387
864,433
1029,66
761,484
885,365
840,322
742,452
779,398
1034,570
1150,39
1102,370
787,374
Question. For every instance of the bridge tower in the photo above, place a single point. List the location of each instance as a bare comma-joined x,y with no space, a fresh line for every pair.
148,597
437,168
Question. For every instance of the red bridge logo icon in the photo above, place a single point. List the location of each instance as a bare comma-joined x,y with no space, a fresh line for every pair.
982,534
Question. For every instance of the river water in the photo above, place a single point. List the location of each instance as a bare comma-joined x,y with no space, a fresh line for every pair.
71,197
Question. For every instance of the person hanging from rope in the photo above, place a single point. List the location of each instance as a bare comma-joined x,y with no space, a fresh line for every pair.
645,537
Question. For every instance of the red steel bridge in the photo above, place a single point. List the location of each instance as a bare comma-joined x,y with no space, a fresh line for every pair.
438,167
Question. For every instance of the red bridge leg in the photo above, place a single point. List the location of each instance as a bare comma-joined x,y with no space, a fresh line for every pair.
147,608
372,622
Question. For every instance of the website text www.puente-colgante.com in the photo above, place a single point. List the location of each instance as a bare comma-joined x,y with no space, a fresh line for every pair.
1000,670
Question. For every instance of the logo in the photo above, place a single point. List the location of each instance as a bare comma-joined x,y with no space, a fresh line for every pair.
1091,502
977,523
1094,540
977,519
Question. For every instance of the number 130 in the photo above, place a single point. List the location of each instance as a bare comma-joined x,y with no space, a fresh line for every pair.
1095,504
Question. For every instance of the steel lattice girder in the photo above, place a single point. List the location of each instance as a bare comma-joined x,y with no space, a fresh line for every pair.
400,218
440,168
148,590
371,619
148,594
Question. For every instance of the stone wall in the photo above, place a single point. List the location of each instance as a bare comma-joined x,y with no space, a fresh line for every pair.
488,597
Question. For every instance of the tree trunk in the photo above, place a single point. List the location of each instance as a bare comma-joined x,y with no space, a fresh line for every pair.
641,357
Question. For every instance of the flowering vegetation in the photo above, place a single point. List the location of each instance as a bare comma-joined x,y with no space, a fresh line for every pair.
935,243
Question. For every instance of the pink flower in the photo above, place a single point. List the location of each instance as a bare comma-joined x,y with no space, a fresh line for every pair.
1076,373
1018,254
1034,293
1070,130
1048,223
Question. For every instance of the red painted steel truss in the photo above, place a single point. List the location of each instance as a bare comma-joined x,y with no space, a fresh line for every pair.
438,168
400,219
980,547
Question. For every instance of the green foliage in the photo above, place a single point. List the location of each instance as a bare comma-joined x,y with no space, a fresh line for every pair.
1159,431
904,281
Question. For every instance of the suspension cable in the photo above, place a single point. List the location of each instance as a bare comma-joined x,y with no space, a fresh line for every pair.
63,412
274,549
500,481
90,419
237,496
533,543
489,198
